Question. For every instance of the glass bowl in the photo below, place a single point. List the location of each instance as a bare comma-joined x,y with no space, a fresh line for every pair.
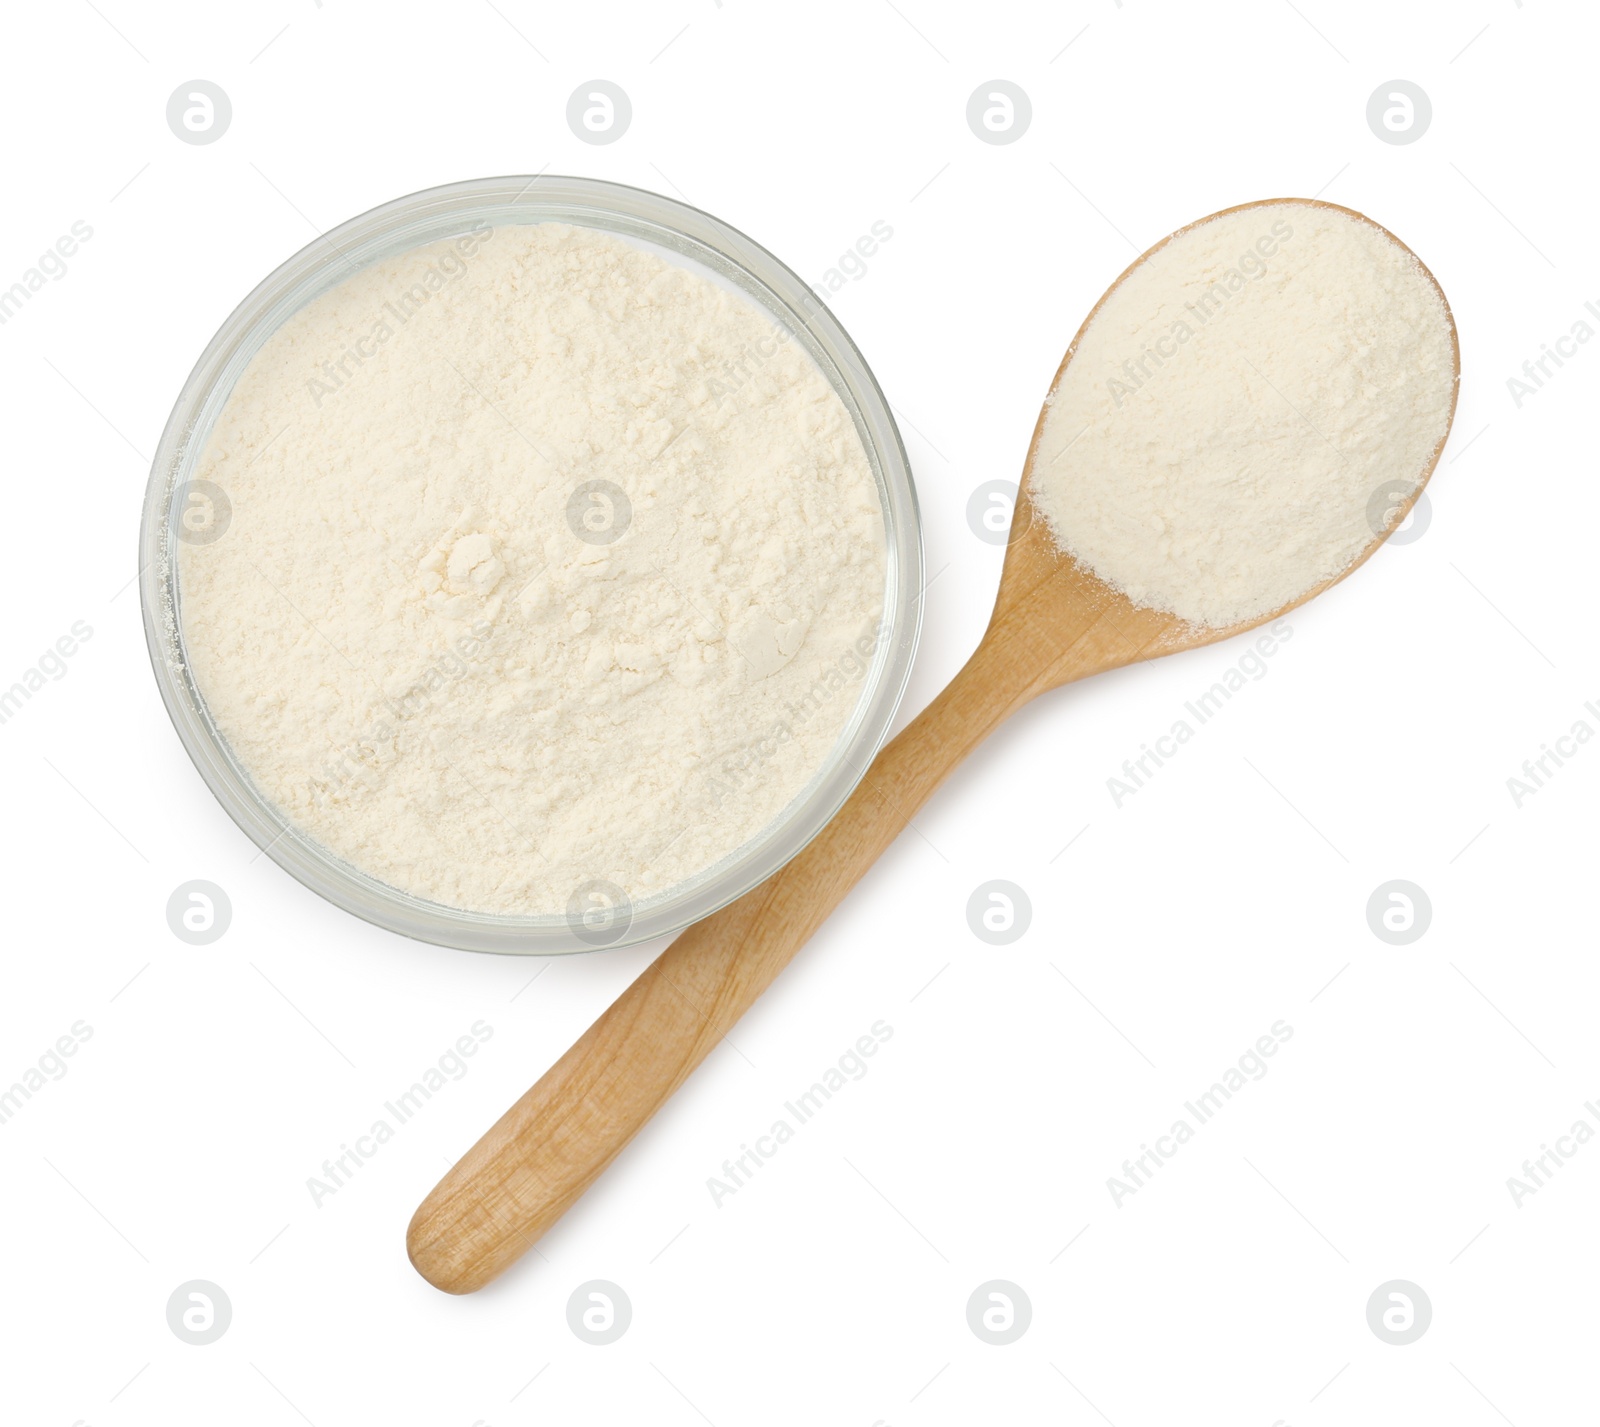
687,236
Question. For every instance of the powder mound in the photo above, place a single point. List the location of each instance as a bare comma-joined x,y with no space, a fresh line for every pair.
1219,438
551,562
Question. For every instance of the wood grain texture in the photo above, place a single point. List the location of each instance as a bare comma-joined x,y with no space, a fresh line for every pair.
1054,622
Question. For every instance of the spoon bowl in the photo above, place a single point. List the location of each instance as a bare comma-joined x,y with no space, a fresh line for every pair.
1064,600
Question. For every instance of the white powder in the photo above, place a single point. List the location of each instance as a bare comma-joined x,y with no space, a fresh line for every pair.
1231,410
421,661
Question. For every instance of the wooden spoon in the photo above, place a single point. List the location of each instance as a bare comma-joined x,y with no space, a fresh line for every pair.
1054,622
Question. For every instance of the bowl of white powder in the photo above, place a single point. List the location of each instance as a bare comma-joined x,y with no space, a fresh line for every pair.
531,565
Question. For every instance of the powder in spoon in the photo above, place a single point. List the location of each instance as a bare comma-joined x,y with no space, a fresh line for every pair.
1218,441
549,561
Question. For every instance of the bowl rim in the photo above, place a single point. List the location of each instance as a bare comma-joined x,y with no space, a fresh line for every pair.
430,215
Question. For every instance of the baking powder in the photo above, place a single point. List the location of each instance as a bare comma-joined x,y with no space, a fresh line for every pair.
549,561
1218,441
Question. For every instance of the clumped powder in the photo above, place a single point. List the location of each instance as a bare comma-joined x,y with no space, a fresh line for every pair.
1219,441
549,561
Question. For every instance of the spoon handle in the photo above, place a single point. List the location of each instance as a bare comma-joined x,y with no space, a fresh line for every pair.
549,1147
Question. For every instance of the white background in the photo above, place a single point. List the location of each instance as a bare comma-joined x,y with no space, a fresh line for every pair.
1228,894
